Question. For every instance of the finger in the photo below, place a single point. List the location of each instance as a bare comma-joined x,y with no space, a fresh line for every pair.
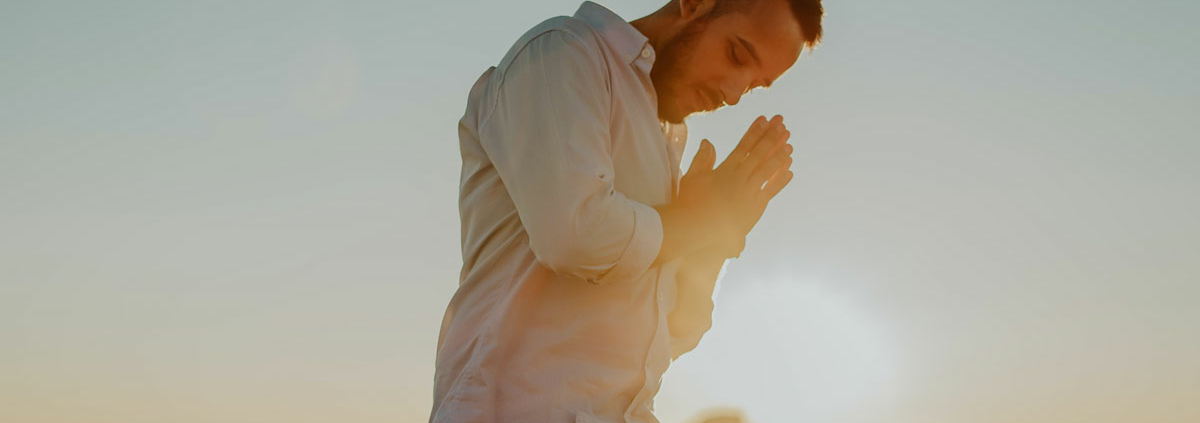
771,167
760,154
706,155
753,134
776,184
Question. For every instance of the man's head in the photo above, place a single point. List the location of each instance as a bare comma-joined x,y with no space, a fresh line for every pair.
710,52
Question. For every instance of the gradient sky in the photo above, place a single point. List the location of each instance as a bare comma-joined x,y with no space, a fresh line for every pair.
247,212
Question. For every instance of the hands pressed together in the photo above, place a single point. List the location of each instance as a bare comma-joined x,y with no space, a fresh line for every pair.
730,199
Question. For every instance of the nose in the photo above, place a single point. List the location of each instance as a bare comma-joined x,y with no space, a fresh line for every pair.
732,96
734,87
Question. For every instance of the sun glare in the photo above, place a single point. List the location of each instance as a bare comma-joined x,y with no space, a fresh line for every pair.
795,349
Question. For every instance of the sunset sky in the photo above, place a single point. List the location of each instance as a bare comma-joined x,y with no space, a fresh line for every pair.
232,211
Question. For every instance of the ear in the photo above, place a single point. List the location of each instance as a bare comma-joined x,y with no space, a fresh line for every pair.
692,9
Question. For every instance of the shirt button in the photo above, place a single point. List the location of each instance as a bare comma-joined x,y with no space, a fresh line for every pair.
628,57
646,52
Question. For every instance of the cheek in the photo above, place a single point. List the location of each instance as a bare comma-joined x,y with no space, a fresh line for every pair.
692,65
691,72
707,66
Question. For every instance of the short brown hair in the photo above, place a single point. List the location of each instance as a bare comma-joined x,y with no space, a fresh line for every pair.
807,12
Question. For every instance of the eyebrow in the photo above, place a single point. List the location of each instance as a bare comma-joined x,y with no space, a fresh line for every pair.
750,48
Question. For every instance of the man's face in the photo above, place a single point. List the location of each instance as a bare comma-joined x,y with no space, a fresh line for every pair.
711,62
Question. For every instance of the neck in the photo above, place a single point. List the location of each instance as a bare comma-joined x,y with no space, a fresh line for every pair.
656,26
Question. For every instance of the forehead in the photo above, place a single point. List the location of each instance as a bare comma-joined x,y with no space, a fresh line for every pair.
767,25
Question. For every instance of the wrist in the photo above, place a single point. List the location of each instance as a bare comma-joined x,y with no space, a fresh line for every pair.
684,231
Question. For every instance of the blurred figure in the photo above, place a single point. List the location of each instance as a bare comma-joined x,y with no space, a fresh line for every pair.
730,415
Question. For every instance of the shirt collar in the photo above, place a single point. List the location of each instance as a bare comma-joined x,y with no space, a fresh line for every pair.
627,40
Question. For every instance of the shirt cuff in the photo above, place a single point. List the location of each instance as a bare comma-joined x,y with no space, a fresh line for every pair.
642,249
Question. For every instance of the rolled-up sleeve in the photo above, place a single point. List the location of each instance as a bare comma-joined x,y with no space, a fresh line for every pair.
546,130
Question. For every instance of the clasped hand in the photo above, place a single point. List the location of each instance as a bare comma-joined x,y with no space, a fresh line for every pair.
732,197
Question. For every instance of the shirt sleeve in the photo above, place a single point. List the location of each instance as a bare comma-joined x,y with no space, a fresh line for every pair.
696,277
547,134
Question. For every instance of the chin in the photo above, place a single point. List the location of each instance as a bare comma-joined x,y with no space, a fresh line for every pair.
673,113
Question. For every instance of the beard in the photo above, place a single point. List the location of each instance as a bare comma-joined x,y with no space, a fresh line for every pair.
668,70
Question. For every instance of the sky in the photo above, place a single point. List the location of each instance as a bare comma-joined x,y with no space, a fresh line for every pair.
247,212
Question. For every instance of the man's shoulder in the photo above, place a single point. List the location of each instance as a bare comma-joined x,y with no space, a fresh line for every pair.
562,47
566,31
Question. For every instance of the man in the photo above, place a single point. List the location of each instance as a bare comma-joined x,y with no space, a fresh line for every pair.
588,261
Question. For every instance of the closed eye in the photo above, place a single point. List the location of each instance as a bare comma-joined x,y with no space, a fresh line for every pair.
733,54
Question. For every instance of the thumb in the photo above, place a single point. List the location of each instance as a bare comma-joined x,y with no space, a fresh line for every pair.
704,159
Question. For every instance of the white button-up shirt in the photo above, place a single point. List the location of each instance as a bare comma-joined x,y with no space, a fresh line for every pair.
559,316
